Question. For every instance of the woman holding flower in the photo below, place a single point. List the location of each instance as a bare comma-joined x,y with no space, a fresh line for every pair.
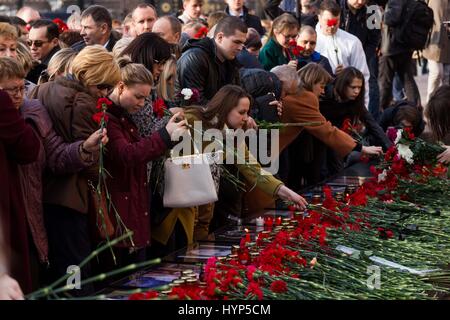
345,109
71,102
281,47
56,155
128,154
300,97
228,109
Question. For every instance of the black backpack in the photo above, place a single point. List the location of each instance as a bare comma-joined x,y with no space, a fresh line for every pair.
418,20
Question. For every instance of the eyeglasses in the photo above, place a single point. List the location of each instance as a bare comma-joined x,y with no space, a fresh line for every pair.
105,86
37,43
290,36
14,90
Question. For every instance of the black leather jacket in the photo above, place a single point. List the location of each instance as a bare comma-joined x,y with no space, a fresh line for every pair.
200,68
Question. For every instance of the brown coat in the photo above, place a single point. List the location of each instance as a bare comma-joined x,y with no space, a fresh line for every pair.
70,107
300,108
439,47
304,107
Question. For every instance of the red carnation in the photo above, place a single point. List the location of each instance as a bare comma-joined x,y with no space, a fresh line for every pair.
278,286
332,22
346,126
159,107
103,103
97,117
61,25
201,33
254,289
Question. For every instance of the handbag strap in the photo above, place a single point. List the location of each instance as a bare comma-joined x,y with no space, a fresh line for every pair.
196,150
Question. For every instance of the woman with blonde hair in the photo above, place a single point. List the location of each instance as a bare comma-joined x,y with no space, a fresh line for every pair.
166,85
8,40
71,102
276,51
128,154
56,156
59,65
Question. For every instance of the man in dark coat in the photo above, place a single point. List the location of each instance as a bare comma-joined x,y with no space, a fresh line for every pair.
236,8
396,57
354,20
96,28
43,43
209,64
18,145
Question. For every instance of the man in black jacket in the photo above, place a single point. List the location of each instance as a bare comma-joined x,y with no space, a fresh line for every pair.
43,44
209,64
354,19
96,28
396,57
236,8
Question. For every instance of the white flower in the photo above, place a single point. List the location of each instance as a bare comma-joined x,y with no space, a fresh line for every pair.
399,136
187,93
405,152
382,176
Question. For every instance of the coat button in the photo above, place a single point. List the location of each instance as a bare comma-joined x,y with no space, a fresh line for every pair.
146,213
131,130
122,119
126,197
148,242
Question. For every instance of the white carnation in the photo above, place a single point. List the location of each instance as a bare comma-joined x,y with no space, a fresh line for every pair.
405,152
187,93
399,136
382,176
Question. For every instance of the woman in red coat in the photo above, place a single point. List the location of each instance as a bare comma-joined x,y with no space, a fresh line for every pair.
18,145
128,154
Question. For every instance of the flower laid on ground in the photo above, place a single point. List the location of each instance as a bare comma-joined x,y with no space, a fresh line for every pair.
401,201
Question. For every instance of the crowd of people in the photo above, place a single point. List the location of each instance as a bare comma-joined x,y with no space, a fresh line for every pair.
325,66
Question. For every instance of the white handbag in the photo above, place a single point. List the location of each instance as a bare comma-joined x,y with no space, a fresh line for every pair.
188,181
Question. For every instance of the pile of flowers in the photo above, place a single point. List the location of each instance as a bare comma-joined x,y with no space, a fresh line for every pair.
397,221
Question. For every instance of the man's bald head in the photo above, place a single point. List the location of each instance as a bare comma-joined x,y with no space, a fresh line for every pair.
28,14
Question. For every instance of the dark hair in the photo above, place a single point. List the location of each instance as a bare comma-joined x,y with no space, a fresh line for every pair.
70,37
438,112
229,25
5,19
99,14
409,112
221,104
331,6
52,28
343,80
146,48
253,39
